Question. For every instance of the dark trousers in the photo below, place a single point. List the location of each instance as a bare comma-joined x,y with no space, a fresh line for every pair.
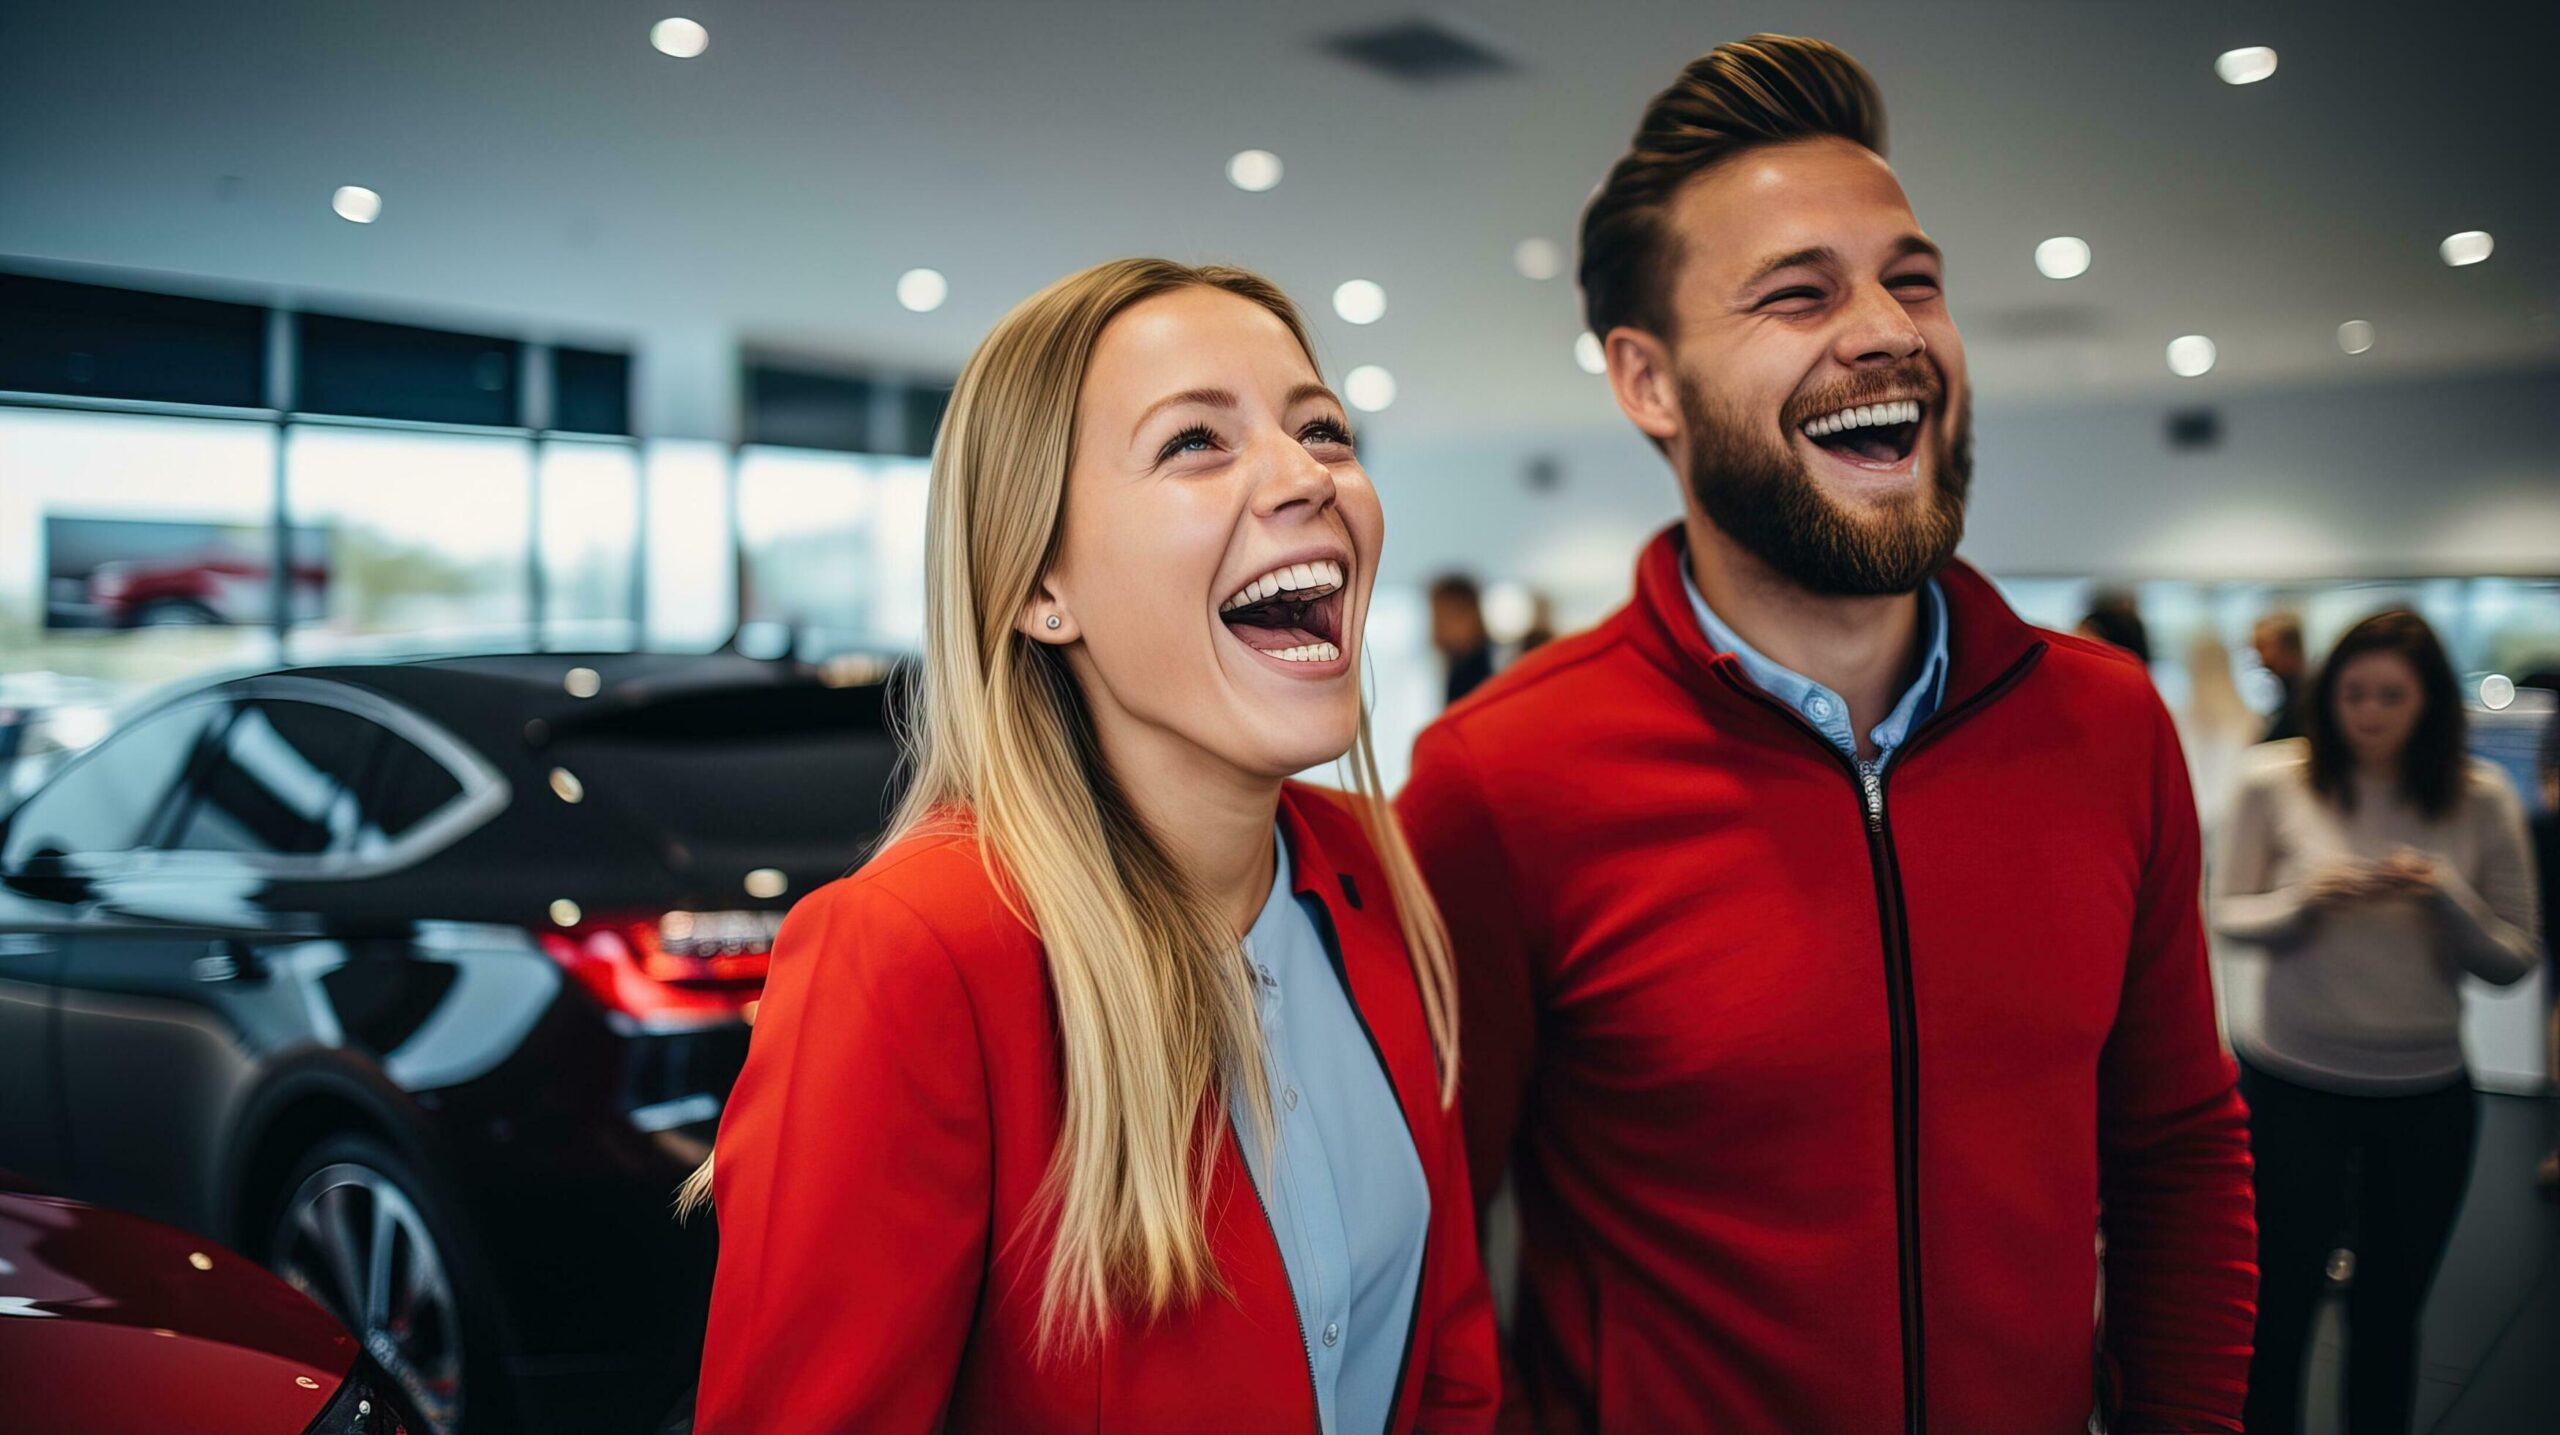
2400,1163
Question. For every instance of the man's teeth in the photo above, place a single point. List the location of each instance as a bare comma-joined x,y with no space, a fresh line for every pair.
1307,580
1906,411
1306,653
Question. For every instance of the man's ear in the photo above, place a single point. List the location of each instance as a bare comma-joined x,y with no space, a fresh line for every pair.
1044,617
1644,381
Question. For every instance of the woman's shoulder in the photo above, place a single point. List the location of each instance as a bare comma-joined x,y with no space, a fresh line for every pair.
932,886
2276,765
2488,782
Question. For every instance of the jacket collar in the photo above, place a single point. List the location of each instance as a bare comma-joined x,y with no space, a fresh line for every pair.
1985,638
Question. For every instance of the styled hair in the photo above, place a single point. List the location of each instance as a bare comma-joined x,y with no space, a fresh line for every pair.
1157,1018
2283,630
2431,767
1739,96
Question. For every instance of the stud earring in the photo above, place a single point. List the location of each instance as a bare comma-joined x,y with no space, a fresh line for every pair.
1053,622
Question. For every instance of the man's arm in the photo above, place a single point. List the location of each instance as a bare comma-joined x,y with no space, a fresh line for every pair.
2173,1153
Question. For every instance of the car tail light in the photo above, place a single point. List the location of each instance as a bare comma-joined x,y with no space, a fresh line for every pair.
673,969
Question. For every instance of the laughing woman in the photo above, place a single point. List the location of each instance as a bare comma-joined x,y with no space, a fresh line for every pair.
1115,1093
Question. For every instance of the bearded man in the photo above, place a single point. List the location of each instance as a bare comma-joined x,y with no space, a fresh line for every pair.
1832,977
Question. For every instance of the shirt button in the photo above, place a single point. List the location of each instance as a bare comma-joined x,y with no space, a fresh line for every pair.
1332,1333
1268,980
1289,1098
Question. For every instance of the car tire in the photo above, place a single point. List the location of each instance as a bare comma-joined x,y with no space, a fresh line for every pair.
358,1228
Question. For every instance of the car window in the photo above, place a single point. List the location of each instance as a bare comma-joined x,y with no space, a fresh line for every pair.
407,788
105,800
283,784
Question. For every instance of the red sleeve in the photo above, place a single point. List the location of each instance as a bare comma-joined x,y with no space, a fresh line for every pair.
851,1183
1462,1386
2174,1150
1458,844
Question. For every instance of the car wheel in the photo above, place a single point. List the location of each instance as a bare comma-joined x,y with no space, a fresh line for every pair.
356,1230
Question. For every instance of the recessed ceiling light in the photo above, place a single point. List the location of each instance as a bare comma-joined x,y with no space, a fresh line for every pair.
1360,301
679,37
2062,257
356,204
2355,336
2191,356
1369,388
1538,258
923,290
1588,353
2469,247
2245,66
2497,692
1254,170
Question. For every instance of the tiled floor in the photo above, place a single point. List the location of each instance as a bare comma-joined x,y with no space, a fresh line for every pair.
2490,1358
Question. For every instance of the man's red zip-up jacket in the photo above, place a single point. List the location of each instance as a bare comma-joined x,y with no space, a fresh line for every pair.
1820,1091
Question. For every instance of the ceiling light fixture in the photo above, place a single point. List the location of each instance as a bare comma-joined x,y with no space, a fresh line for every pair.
1538,258
679,37
2191,356
1254,170
2355,336
356,204
2469,247
2062,257
923,290
1360,301
1369,388
1588,353
2245,66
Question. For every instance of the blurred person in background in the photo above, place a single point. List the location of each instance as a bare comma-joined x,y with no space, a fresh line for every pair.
2546,852
2377,864
2277,639
1859,962
1116,1092
2217,727
1458,633
1542,622
2115,618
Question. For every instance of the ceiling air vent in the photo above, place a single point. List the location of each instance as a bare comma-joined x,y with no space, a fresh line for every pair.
1421,51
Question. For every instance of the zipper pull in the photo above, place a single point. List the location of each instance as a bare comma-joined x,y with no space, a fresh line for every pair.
1872,783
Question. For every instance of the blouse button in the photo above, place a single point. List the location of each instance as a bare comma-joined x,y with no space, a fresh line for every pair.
1289,1098
1332,1333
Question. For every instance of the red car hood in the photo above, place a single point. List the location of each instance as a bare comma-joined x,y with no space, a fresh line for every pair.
109,1322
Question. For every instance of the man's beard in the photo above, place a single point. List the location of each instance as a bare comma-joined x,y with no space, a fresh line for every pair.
1764,499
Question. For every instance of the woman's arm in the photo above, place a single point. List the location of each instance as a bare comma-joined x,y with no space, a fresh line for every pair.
852,1180
2247,906
2491,925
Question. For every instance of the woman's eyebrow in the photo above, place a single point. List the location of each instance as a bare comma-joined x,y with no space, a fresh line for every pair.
1212,398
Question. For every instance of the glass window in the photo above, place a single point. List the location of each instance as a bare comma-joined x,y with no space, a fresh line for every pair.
105,802
133,551
590,542
407,788
692,557
284,784
427,535
833,548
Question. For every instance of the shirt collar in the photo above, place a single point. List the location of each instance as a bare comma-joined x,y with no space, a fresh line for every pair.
1821,706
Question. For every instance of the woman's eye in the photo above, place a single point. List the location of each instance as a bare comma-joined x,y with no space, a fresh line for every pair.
1325,431
1195,439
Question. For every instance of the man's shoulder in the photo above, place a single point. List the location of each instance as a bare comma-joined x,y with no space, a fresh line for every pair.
1547,688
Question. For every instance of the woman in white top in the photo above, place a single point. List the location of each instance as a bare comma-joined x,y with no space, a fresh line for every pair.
2377,864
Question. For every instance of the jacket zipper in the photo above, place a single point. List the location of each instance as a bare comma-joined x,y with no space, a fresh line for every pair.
1306,1351
1900,1008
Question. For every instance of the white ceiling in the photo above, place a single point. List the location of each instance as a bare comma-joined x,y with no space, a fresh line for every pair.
545,172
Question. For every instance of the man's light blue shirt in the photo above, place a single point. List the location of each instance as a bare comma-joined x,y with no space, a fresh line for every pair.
1348,1201
1821,706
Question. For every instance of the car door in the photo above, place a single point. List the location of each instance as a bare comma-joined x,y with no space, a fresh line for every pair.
184,975
83,827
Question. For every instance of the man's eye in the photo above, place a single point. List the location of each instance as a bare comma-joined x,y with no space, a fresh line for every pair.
1797,295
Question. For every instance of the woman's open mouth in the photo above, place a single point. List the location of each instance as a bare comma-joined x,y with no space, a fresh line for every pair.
1870,436
1292,614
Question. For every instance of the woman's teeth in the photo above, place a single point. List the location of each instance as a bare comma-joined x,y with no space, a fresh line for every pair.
1301,580
1306,653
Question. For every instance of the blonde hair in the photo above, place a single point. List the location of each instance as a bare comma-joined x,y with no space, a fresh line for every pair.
1156,1015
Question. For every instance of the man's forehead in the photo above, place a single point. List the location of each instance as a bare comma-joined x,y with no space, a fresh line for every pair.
1783,198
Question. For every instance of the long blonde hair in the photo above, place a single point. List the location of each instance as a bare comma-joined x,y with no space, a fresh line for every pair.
1156,1015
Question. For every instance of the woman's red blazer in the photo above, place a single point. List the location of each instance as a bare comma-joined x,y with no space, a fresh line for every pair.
880,1154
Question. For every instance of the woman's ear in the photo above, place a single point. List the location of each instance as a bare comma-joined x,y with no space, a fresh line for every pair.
1044,617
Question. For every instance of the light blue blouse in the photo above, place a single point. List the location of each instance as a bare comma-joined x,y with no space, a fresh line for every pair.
1344,1190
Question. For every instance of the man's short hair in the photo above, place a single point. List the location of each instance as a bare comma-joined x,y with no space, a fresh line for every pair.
1739,96
1455,588
2282,629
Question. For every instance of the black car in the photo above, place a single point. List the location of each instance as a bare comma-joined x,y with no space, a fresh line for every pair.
424,984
